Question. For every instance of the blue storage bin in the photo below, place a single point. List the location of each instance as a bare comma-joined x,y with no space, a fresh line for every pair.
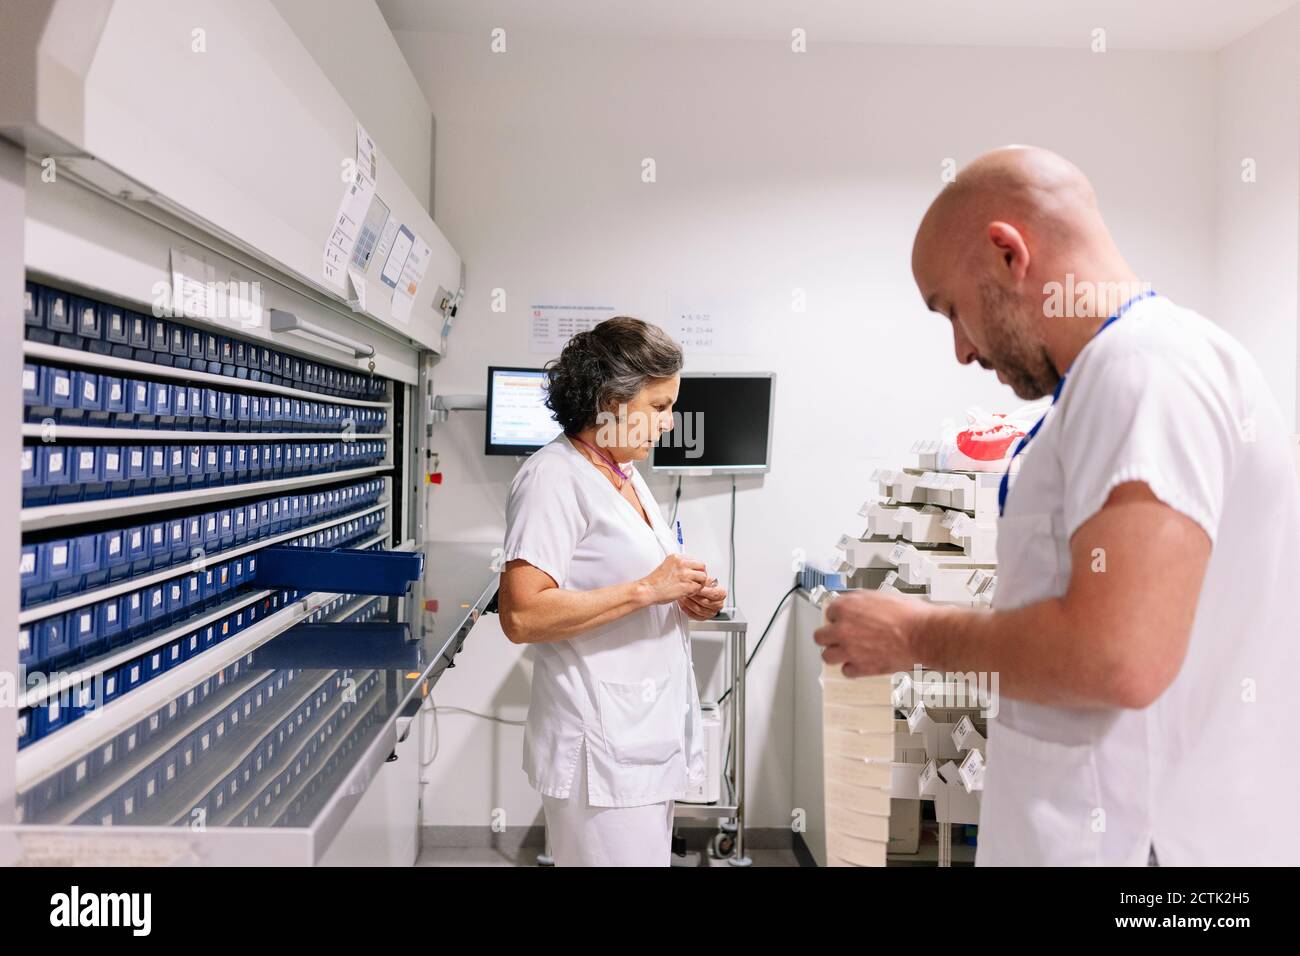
178,343
87,391
58,388
192,585
198,359
137,331
86,313
152,665
159,335
33,382
194,472
56,310
178,467
26,728
175,591
114,323
31,310
29,569
114,391
338,569
137,467
105,755
52,637
156,459
160,399
160,555
194,533
113,554
51,714
136,542
178,539
83,628
211,532
131,676
212,464
86,563
132,611
31,646
59,561
155,604
108,617
137,397
87,470
112,466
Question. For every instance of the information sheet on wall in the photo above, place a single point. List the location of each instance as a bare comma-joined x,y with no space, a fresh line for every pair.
550,326
353,208
412,274
703,324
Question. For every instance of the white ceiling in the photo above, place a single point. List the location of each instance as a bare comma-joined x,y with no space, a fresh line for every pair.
1129,24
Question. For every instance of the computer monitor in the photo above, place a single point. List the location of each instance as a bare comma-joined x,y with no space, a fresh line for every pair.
722,424
518,421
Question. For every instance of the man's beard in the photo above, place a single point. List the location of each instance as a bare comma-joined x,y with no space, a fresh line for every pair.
1010,347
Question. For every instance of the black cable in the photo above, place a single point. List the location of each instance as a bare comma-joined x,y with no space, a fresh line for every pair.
763,636
731,729
677,500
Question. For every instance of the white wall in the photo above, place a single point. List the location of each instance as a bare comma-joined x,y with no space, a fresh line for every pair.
776,171
1258,224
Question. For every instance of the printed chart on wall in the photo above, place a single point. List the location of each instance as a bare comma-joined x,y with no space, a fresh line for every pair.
404,271
550,326
354,208
704,324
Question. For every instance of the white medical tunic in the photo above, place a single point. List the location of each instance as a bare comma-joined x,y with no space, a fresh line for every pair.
1205,774
623,693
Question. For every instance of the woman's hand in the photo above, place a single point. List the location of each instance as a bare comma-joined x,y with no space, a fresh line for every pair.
705,603
677,577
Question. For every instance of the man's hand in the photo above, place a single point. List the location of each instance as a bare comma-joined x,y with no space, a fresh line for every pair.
870,633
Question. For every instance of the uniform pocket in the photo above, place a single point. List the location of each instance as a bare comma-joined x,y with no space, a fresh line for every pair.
1029,566
1042,802
642,721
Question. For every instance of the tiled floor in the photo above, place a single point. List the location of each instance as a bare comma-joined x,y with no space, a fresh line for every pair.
489,856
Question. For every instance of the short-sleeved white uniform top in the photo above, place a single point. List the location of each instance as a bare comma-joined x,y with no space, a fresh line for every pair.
627,688
1164,397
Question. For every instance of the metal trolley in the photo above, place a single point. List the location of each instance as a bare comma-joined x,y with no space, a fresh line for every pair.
729,843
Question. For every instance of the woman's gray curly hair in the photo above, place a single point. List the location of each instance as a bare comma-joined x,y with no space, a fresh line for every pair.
606,367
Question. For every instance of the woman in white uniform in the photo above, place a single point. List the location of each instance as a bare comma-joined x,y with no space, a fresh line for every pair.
594,579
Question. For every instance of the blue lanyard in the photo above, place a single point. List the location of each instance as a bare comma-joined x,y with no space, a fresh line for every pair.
1005,484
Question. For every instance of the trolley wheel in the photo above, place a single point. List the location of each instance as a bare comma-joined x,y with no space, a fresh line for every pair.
723,845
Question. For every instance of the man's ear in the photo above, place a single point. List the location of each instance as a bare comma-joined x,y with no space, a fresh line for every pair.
1011,248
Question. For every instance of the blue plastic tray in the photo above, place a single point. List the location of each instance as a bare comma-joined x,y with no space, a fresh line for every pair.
341,570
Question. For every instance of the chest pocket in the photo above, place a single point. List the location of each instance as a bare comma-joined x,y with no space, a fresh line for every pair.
1030,566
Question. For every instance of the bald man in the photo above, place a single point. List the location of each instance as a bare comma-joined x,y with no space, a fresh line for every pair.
1144,629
